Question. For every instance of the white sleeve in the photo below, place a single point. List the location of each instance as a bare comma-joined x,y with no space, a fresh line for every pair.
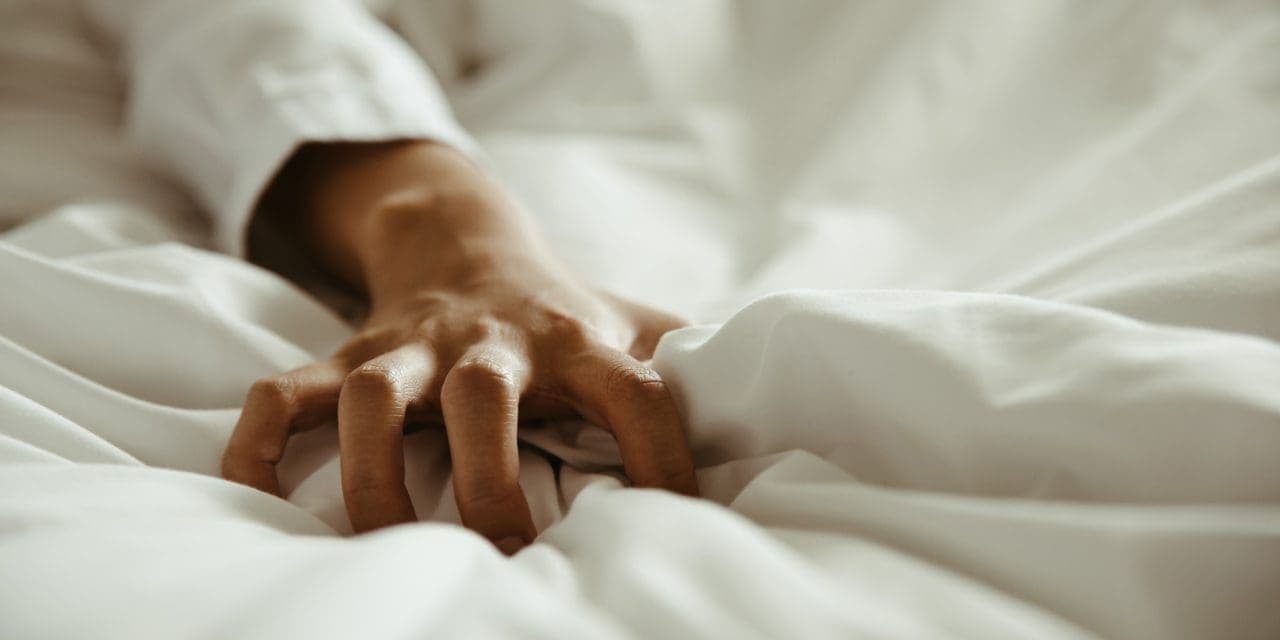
222,91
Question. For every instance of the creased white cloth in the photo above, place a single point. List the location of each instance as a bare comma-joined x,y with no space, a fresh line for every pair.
216,94
1031,387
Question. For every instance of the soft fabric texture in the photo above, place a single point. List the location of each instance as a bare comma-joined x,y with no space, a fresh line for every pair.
215,94
990,297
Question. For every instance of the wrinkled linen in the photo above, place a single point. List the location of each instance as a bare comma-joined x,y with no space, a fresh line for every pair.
989,301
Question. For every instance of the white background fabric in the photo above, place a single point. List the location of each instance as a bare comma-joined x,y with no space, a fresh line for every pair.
1032,390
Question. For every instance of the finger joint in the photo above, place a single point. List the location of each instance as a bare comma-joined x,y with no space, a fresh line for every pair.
479,376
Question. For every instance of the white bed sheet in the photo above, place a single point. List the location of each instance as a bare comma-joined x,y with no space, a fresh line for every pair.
1032,388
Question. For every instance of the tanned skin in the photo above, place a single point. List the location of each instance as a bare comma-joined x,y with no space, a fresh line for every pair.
473,324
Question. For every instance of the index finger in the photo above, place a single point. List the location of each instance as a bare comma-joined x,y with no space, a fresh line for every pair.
275,408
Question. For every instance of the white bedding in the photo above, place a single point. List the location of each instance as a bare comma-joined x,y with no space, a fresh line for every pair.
1031,388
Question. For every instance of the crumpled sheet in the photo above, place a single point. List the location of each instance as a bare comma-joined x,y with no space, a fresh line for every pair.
1032,389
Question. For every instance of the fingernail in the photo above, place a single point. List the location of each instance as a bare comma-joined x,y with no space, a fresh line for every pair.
510,545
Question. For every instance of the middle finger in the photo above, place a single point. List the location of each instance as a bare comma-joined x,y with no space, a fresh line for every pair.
480,399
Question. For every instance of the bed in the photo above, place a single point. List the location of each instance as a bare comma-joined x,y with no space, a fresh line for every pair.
987,302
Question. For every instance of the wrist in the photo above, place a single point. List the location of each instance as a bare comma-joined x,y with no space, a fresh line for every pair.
443,241
397,217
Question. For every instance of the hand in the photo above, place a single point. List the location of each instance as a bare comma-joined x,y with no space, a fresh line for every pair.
472,325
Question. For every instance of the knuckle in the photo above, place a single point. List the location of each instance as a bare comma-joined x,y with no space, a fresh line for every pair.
634,383
246,467
276,392
485,328
242,453
567,329
478,375
428,329
371,379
